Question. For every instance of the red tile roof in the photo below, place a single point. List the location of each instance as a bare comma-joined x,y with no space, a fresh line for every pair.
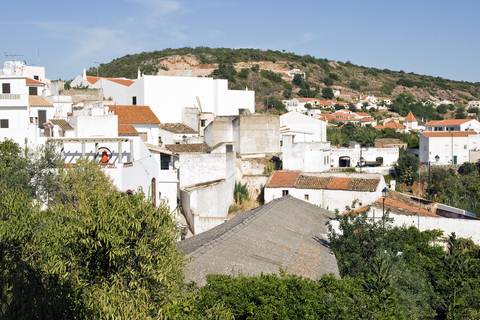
405,207
283,179
127,130
128,114
448,134
410,117
390,125
448,122
37,101
122,81
295,179
33,82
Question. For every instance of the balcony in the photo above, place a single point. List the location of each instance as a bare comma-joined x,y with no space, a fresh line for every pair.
9,96
13,100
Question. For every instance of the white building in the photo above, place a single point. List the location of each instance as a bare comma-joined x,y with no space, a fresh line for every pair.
411,123
448,147
168,96
206,182
474,104
329,191
454,125
304,128
305,156
357,155
176,133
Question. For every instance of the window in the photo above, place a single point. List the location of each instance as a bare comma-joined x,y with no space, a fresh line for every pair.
228,148
33,91
36,77
5,87
465,147
164,161
134,100
306,197
284,193
203,122
3,123
42,118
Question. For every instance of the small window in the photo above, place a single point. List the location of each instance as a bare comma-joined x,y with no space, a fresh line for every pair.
36,77
284,193
5,87
203,122
228,148
465,147
281,143
3,123
306,197
33,91
134,100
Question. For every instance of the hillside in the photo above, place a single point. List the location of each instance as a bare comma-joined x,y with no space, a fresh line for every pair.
266,72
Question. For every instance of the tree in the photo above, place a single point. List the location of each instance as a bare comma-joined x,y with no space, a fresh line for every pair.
298,80
99,252
328,81
275,104
442,109
406,168
460,113
327,93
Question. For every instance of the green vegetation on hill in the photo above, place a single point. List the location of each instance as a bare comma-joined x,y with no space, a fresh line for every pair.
320,73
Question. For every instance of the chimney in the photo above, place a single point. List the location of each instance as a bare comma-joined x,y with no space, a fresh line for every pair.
139,74
84,75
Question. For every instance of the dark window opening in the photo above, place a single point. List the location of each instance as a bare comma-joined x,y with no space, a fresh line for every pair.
4,123
36,77
33,91
202,123
284,193
229,148
42,118
306,197
5,87
134,100
164,161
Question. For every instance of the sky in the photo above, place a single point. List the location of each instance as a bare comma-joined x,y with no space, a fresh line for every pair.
434,37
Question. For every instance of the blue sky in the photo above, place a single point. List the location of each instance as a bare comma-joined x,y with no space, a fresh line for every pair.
435,37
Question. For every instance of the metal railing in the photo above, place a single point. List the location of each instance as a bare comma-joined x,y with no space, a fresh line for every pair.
9,96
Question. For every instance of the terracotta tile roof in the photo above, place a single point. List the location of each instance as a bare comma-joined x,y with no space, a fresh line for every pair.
390,125
405,207
177,128
188,148
62,124
33,82
123,81
448,134
128,114
295,179
410,117
283,178
37,101
127,130
448,122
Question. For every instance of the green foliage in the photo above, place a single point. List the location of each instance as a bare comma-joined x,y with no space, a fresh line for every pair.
460,112
275,104
270,75
240,193
442,109
405,103
387,88
327,93
244,73
328,81
298,80
92,253
406,168
459,188
225,71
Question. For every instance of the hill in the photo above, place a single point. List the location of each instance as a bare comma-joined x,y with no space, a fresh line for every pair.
269,73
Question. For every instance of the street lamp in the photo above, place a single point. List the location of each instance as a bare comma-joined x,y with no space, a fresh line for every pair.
384,194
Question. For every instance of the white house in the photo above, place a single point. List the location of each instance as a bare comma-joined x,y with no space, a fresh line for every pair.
448,147
206,182
329,191
357,155
304,128
411,123
168,96
175,133
137,120
305,156
454,125
474,104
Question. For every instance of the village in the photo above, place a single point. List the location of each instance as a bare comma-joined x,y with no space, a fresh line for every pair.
191,144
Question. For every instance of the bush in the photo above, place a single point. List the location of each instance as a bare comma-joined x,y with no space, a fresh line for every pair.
327,93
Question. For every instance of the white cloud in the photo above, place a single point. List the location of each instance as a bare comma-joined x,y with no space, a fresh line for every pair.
158,7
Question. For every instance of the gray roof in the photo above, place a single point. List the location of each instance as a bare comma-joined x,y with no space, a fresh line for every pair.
286,233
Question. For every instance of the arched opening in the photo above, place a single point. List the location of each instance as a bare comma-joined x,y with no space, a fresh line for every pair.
153,189
344,162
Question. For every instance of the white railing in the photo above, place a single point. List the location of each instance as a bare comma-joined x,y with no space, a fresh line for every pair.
9,96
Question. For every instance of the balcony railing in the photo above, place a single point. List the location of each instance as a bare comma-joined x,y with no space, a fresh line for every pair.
9,96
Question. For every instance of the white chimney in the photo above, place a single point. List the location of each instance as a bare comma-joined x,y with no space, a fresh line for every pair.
84,75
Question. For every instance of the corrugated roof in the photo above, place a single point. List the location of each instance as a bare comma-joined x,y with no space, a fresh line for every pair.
188,148
448,134
62,124
285,233
295,179
37,101
133,114
447,122
177,128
